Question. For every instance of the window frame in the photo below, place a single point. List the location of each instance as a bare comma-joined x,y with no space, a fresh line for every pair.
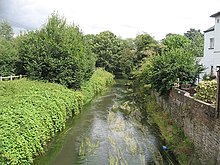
211,43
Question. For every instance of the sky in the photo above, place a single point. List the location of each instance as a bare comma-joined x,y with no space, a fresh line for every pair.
125,18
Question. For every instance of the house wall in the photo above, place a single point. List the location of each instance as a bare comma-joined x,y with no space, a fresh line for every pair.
208,60
212,56
199,122
217,35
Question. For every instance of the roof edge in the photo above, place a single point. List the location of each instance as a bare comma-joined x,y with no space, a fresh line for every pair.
210,29
216,14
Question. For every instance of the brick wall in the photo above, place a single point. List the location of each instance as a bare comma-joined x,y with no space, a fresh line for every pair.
198,121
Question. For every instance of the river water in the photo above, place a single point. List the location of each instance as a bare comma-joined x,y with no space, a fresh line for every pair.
110,130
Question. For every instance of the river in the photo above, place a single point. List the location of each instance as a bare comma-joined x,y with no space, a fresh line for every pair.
110,130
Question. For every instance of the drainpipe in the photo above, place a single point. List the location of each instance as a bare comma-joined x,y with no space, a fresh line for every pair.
218,92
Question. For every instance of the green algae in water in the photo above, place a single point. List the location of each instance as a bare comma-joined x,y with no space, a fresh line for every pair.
87,147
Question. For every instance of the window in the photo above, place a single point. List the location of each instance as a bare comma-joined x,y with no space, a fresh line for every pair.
217,20
211,46
212,72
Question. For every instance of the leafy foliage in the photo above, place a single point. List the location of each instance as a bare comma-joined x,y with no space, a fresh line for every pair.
57,53
197,41
174,60
143,41
33,112
8,57
8,50
163,71
107,47
143,74
118,55
127,57
171,65
207,91
146,46
176,41
97,83
6,30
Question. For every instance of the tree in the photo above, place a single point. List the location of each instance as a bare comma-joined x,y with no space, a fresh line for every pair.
107,46
57,53
197,41
143,41
8,57
171,65
146,46
6,30
127,56
176,41
176,62
8,50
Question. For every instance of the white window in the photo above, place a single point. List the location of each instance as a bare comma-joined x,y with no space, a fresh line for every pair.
211,46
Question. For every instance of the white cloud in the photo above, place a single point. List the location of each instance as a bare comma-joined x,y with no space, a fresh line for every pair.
123,17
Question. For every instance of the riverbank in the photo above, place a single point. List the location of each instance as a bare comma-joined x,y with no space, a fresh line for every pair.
108,131
173,135
33,112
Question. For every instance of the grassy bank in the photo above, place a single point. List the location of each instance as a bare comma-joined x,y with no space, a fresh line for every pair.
33,112
172,134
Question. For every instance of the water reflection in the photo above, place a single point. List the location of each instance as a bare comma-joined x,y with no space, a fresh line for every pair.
109,131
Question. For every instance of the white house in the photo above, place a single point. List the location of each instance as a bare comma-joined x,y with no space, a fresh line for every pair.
211,58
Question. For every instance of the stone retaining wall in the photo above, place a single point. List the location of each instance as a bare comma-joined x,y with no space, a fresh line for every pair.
198,120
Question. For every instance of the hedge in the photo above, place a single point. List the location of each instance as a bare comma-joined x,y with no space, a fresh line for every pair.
32,112
207,91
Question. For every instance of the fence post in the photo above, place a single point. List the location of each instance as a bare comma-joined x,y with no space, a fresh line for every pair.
218,92
0,78
20,76
11,77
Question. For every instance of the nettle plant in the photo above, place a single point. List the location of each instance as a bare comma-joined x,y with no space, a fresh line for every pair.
207,91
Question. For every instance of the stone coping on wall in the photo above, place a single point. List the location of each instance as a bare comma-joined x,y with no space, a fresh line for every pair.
196,106
187,94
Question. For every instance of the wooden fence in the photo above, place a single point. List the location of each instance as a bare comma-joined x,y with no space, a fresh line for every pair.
12,77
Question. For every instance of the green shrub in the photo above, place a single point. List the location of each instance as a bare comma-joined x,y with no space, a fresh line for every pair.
57,53
33,112
97,83
163,71
8,57
207,91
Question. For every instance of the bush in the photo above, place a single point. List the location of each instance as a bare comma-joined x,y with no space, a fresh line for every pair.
97,83
8,57
33,112
57,53
207,91
171,65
